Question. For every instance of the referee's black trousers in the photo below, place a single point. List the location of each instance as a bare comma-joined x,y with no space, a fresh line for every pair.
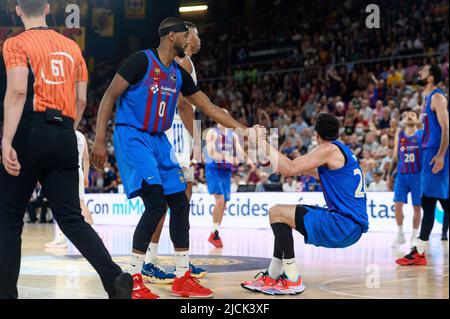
47,153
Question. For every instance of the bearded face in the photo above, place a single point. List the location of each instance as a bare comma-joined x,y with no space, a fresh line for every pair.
179,49
423,76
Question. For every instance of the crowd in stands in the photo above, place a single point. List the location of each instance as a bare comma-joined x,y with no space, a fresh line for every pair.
331,63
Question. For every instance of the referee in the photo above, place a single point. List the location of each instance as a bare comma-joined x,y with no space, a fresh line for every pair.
39,144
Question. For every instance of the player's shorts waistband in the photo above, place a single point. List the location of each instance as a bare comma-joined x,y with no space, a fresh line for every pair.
139,129
41,118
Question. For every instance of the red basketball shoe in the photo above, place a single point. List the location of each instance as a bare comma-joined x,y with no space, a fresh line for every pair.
262,279
140,291
284,286
413,259
215,239
188,286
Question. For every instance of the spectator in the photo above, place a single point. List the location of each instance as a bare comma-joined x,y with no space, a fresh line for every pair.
299,125
260,185
290,184
38,200
110,184
384,122
236,182
378,185
198,187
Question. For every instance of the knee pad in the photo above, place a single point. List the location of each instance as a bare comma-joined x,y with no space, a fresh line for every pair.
155,208
179,219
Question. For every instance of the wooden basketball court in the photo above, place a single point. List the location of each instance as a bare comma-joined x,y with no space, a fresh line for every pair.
365,270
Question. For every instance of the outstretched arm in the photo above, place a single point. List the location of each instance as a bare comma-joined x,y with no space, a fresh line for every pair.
306,164
214,112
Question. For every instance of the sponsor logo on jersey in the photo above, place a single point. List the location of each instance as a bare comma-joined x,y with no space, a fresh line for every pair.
155,88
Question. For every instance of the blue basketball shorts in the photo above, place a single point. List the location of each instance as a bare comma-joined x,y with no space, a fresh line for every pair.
322,227
408,183
434,185
218,181
145,157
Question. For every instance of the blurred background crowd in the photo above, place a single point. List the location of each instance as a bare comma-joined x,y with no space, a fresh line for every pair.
271,67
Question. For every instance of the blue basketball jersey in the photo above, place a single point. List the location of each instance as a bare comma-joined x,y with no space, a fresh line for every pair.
344,189
150,104
431,128
224,143
409,152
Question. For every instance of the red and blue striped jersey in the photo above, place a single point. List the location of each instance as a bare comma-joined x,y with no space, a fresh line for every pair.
150,104
431,127
409,152
224,143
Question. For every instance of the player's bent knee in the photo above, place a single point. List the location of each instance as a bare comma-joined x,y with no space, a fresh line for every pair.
275,214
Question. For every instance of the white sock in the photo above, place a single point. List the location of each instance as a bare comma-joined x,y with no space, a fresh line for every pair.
275,267
414,233
290,268
136,262
400,228
421,245
152,253
59,235
215,227
181,263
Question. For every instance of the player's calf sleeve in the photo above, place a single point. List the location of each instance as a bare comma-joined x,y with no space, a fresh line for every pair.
155,208
428,206
284,239
179,219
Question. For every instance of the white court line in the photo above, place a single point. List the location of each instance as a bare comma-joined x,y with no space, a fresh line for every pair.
322,286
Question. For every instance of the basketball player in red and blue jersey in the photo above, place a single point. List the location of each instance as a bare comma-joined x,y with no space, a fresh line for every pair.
221,146
339,225
407,155
435,166
180,135
147,89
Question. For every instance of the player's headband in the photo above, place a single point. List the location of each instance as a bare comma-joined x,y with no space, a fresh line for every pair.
181,27
327,126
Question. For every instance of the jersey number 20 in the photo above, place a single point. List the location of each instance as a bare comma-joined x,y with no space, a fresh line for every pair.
359,193
410,158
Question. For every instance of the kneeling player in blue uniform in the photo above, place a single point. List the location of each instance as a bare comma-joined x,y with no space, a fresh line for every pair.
338,226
